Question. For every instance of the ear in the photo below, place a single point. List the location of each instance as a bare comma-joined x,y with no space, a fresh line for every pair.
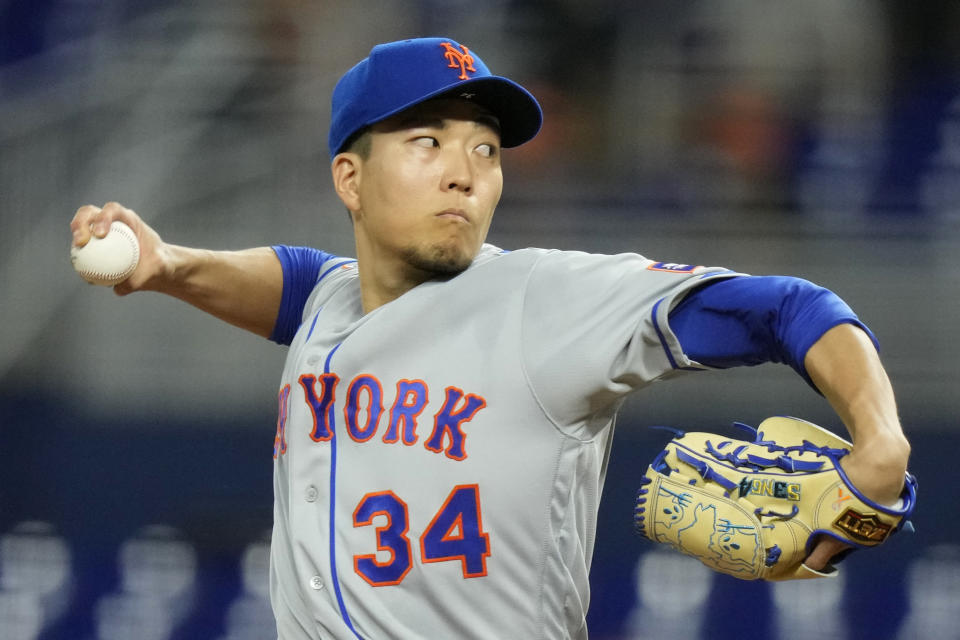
346,179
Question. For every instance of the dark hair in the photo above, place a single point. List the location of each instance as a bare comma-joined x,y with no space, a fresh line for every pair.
359,143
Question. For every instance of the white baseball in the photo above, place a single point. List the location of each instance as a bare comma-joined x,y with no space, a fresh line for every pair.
108,260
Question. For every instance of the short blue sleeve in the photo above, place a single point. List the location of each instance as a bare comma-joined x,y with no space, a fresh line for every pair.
301,268
755,319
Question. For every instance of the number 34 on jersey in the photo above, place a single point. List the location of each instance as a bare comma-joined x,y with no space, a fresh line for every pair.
455,534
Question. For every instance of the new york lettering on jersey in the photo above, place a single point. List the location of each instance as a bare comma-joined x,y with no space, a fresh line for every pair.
364,409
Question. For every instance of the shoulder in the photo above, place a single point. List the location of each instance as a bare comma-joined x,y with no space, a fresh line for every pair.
337,269
493,257
582,265
338,275
490,253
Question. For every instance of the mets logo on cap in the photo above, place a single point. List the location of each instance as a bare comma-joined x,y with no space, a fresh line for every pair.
458,59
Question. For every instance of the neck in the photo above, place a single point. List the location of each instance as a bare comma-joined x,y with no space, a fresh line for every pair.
386,273
385,278
378,285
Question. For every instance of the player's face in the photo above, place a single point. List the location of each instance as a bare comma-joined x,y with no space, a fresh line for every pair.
429,186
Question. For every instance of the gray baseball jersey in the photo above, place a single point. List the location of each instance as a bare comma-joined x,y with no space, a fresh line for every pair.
439,461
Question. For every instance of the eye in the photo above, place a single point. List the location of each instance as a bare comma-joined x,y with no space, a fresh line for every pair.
487,150
427,142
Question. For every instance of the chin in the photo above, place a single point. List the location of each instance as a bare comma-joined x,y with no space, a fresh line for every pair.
440,260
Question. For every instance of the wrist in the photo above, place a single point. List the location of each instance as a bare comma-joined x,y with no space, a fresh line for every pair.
886,448
877,467
174,268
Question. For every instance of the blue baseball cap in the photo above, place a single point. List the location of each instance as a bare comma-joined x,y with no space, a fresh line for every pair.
398,75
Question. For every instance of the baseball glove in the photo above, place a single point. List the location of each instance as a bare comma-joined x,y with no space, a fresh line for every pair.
752,509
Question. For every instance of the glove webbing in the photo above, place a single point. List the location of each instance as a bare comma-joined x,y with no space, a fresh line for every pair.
784,462
706,471
709,474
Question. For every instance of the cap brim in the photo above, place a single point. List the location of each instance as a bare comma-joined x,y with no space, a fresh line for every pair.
514,107
517,110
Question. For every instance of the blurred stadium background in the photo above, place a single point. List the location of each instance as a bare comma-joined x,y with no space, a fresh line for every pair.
818,138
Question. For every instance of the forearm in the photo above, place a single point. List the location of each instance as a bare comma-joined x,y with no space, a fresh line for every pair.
845,367
242,288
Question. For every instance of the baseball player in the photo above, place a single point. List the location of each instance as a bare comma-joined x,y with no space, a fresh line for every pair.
446,408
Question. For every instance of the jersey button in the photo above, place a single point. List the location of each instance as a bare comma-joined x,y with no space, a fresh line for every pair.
311,493
316,583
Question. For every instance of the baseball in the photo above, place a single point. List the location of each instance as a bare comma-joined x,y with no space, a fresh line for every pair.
108,260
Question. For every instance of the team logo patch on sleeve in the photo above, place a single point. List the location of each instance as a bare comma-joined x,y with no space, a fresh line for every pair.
672,267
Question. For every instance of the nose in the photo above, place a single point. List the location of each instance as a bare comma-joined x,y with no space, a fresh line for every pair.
458,172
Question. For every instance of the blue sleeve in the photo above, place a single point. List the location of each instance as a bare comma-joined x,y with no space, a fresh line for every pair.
301,269
755,319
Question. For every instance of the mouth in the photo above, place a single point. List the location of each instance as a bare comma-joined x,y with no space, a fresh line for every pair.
457,215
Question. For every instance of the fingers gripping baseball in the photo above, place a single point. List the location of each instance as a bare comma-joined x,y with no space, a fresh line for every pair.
91,222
